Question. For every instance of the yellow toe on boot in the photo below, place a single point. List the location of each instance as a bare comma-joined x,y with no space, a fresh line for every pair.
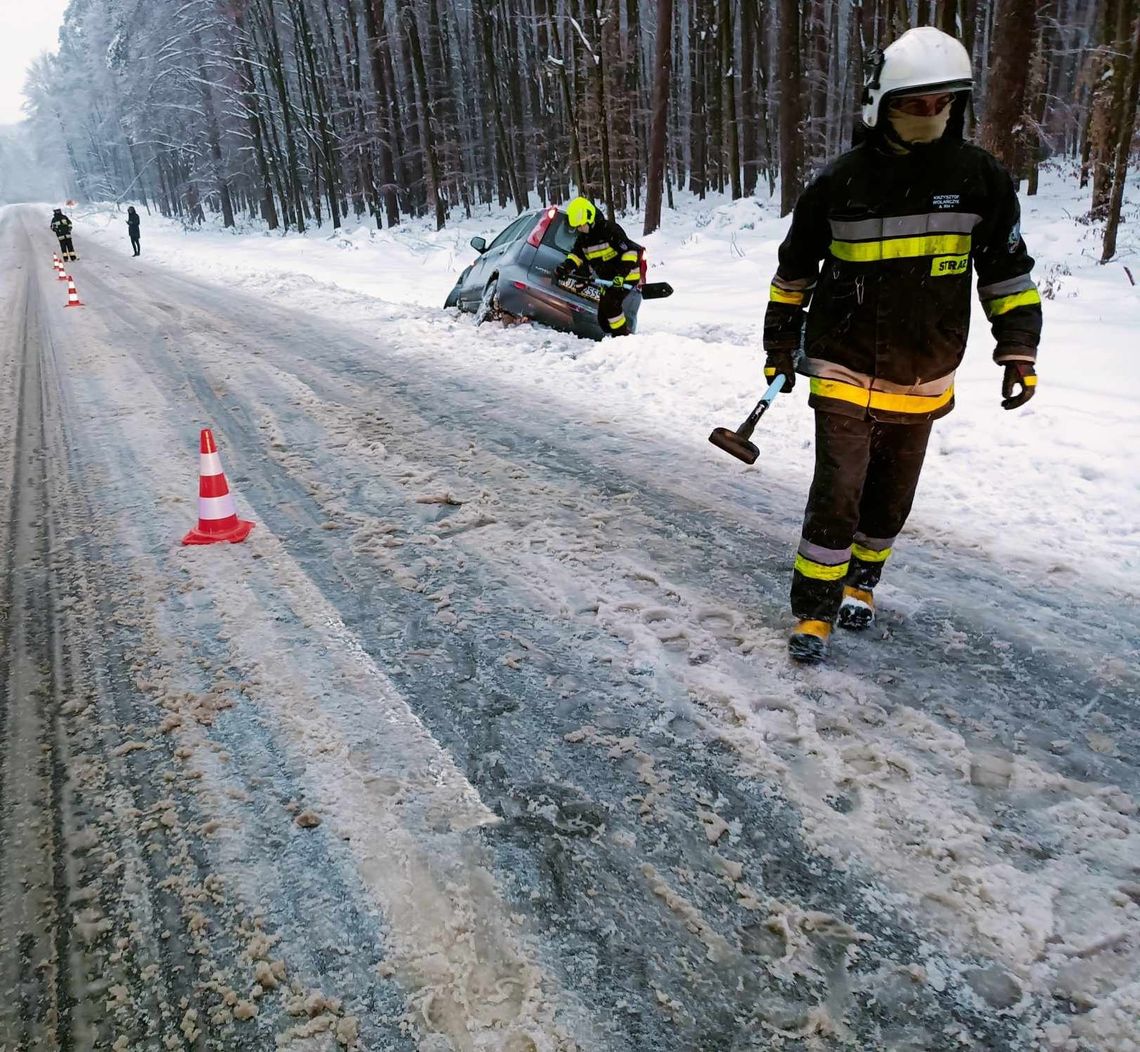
808,641
857,611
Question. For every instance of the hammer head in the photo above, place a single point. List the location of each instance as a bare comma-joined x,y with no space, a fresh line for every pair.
735,444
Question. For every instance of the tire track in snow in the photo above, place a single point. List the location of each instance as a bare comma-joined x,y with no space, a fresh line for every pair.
449,941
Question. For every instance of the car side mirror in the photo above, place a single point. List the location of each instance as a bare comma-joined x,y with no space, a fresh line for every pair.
479,244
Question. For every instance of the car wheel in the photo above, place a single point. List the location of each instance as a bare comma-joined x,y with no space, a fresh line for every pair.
489,309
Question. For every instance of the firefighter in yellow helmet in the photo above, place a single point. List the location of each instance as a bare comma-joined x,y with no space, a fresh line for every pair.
604,248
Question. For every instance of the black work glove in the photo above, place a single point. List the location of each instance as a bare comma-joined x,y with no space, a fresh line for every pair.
781,363
565,270
1022,375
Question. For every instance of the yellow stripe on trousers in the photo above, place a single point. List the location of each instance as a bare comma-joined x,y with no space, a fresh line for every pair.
819,571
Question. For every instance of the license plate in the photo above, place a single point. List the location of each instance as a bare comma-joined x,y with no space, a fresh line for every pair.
587,292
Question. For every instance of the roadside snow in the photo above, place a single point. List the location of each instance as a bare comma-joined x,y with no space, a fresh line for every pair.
1048,488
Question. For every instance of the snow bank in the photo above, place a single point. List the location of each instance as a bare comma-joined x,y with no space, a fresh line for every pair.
1050,488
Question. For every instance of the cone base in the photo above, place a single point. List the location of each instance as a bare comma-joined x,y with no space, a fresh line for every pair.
75,304
235,535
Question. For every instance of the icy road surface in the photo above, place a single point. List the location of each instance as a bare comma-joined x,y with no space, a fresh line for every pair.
486,739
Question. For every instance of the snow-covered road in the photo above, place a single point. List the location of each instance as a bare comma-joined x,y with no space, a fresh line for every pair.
526,670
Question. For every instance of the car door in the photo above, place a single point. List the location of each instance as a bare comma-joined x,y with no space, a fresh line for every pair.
488,263
564,308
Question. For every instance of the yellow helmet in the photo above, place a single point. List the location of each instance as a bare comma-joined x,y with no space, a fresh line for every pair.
581,212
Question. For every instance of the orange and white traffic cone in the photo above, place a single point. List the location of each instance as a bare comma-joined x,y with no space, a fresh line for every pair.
72,293
217,513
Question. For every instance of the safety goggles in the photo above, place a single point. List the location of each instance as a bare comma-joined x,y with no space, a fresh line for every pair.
922,105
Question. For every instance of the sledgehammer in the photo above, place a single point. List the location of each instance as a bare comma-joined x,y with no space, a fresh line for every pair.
736,442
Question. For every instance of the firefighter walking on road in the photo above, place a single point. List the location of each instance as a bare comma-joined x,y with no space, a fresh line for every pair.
603,247
61,227
882,246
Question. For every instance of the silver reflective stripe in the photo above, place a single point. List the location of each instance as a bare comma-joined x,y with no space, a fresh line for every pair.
874,544
793,284
823,556
929,388
826,370
1017,354
904,226
1022,283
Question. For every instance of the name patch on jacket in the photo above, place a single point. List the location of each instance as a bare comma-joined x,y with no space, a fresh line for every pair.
941,266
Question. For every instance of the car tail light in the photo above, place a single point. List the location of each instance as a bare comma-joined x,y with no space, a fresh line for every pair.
519,284
544,220
644,265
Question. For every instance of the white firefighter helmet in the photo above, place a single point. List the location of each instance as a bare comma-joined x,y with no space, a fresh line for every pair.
921,60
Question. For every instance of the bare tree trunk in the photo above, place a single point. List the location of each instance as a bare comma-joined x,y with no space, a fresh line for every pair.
791,107
1123,145
728,95
1014,23
749,104
1109,106
426,113
374,28
662,65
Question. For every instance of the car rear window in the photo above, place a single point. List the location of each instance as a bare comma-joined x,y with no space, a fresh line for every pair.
519,228
560,235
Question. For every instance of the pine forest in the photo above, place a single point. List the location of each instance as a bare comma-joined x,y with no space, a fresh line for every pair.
308,113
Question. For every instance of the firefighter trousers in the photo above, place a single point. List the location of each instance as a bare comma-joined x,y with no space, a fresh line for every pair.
611,316
866,474
66,249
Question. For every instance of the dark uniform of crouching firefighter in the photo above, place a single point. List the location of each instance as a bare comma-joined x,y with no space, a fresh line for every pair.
602,247
899,224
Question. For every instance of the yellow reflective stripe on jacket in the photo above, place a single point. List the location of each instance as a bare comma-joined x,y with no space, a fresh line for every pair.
820,571
869,555
885,400
1004,304
633,277
630,257
603,254
901,248
575,260
779,295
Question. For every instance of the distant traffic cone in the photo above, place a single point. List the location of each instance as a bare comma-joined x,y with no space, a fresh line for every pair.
72,293
217,514
60,272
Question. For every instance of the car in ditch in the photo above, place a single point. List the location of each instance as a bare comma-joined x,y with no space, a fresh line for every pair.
513,279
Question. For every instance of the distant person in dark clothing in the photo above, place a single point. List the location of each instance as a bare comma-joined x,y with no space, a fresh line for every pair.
61,227
133,228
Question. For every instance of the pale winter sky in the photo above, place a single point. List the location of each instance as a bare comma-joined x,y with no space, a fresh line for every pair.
27,27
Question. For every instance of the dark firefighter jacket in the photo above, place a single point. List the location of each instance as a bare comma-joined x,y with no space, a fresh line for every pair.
608,252
61,225
899,238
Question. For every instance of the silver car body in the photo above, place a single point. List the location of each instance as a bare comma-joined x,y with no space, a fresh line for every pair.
520,264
